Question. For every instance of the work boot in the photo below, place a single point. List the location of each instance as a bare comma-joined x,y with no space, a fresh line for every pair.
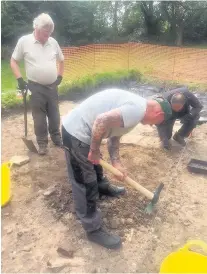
57,141
42,149
166,144
179,139
105,188
104,239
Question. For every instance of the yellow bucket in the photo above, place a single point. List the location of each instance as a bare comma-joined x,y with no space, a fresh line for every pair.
185,260
5,183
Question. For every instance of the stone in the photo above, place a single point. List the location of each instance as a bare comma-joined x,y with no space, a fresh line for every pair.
158,219
19,234
122,221
6,214
114,223
171,210
27,248
175,244
187,222
68,216
121,234
65,253
20,160
129,221
9,230
143,229
49,192
59,264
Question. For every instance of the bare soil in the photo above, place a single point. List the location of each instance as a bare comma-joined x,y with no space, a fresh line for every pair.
41,218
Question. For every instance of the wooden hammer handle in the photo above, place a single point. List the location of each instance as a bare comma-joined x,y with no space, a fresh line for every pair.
128,180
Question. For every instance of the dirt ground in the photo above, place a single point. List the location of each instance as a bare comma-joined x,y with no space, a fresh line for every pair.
40,218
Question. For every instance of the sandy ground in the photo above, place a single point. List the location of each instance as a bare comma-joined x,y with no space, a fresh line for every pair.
36,223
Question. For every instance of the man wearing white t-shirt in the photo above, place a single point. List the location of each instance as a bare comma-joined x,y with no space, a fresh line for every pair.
108,114
41,53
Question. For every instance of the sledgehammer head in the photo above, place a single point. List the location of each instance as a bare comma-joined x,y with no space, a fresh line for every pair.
155,199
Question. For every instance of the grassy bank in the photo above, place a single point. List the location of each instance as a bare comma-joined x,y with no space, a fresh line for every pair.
83,85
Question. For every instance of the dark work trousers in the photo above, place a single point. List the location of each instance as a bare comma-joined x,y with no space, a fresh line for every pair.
44,104
85,179
165,129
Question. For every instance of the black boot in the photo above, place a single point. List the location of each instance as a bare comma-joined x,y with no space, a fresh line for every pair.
57,141
105,188
166,144
104,239
42,149
178,138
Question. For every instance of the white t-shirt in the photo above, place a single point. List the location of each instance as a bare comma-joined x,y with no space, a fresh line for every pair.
80,120
40,60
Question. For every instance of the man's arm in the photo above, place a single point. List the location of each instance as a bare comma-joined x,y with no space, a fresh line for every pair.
61,68
15,68
113,149
195,104
102,124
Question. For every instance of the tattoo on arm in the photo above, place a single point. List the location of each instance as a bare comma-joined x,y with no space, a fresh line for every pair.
113,149
104,122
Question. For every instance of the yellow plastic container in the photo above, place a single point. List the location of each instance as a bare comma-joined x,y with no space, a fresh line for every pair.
185,260
5,183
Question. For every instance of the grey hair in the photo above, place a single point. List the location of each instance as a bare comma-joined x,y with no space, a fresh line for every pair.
42,21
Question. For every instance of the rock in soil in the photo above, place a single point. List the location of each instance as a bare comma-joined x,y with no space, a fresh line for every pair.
158,219
9,230
19,234
49,192
20,160
59,264
187,222
65,253
114,223
122,221
129,221
27,248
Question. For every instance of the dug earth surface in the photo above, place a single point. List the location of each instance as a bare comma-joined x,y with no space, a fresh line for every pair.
40,232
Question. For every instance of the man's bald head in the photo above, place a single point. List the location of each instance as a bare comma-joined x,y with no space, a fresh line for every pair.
177,101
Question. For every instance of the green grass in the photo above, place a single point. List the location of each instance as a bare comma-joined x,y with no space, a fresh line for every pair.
97,80
8,81
9,97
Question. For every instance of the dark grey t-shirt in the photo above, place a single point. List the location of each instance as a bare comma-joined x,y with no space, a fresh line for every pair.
79,121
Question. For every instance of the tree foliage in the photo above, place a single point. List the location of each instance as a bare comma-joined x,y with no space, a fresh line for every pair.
84,22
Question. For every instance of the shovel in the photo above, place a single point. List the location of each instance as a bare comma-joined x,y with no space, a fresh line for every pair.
29,143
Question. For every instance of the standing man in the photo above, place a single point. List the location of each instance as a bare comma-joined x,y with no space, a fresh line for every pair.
108,114
41,53
185,107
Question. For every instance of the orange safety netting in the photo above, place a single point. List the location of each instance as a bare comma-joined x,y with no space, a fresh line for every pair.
162,62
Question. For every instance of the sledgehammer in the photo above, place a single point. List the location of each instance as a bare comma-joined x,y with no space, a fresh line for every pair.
153,197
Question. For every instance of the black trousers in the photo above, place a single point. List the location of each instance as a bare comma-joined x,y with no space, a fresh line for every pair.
165,129
44,104
85,179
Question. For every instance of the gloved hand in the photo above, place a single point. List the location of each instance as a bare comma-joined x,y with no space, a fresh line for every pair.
22,85
59,80
186,118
